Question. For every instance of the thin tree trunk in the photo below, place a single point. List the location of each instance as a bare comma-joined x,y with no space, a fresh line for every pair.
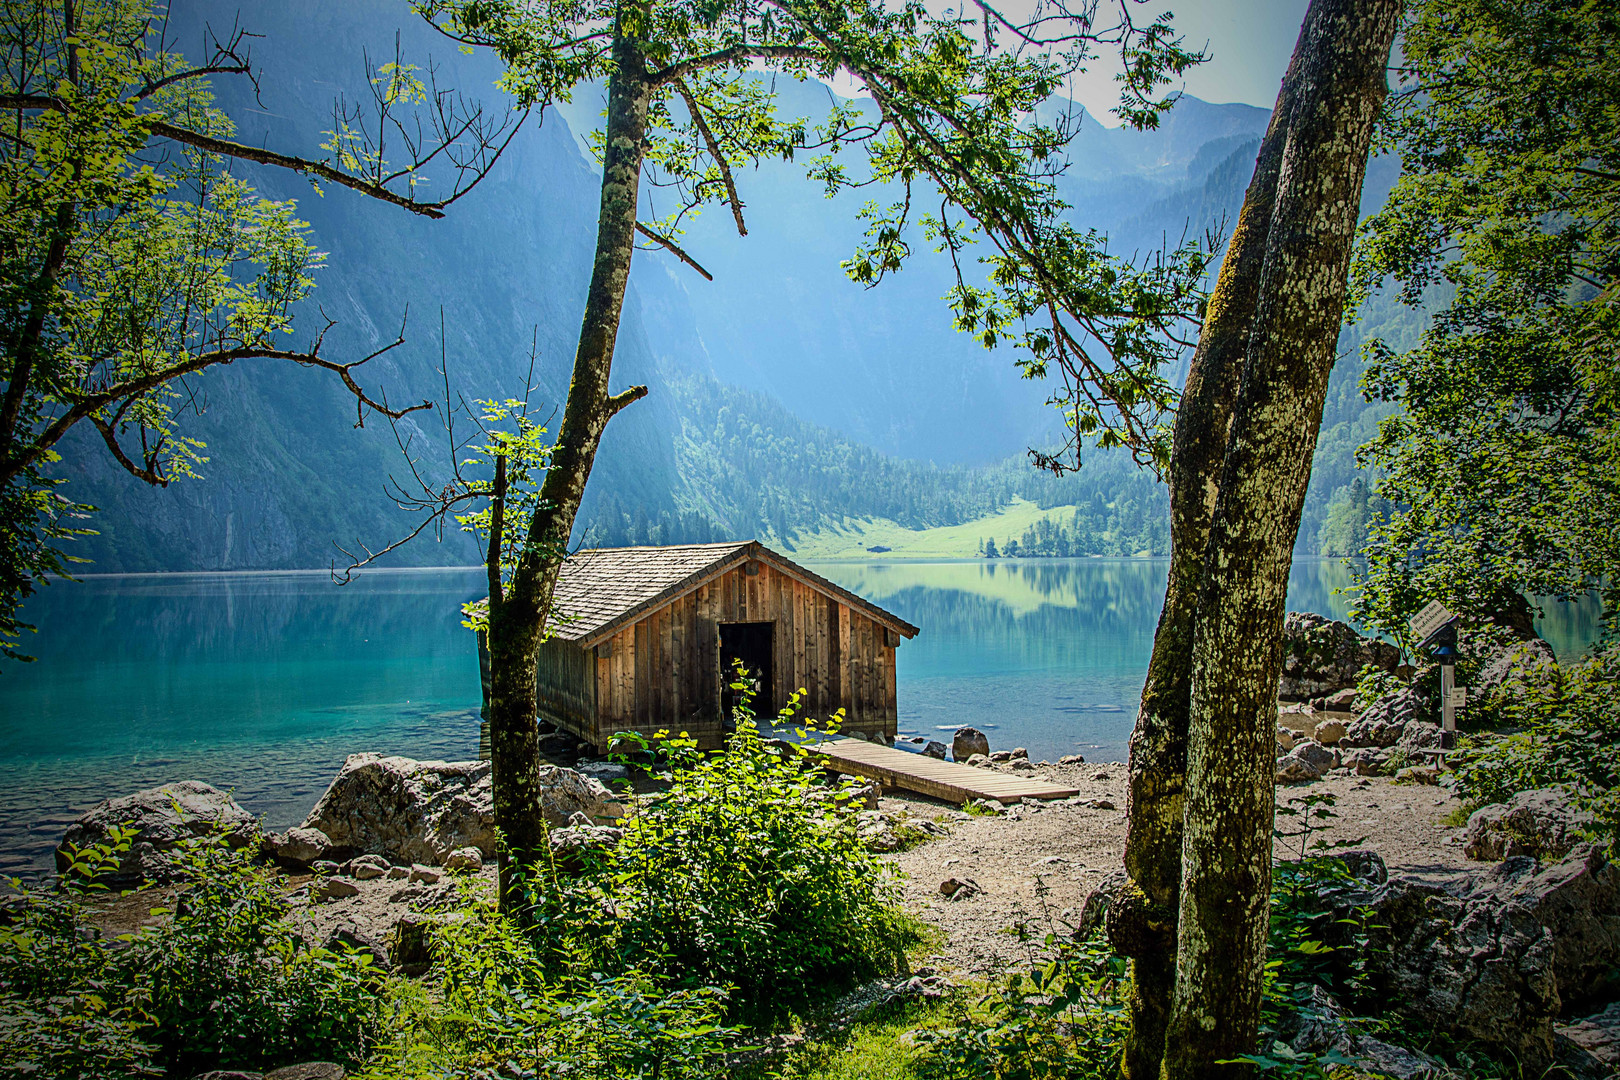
1236,647
1142,923
517,623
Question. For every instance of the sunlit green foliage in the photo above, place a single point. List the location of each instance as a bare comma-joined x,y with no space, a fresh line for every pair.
490,1002
1062,1017
1504,464
122,267
223,978
747,873
961,165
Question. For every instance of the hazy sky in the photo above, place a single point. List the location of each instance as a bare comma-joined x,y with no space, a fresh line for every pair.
1249,42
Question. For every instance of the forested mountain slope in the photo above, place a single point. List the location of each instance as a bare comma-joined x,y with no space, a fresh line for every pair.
783,397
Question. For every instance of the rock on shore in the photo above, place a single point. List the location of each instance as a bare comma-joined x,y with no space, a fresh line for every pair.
1500,955
1542,822
1322,656
422,811
163,818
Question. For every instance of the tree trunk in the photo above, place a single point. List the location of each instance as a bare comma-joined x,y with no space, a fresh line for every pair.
517,622
1236,645
1142,923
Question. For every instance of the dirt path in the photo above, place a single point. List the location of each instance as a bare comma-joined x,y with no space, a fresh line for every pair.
1036,864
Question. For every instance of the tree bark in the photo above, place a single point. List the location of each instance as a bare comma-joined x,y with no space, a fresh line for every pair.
1236,645
517,622
1142,923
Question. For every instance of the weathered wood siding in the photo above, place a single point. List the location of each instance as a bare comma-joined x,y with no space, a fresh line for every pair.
664,671
564,691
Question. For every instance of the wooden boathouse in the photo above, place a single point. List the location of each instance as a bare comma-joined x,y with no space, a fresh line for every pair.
643,639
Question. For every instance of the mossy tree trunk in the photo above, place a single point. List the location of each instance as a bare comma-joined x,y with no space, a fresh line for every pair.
1229,798
1193,918
517,614
1142,923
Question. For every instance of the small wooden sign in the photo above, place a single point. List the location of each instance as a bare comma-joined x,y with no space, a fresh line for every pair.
1433,616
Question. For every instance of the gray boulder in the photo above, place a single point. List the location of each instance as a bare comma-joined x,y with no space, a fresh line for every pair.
1365,761
309,1070
1308,760
1419,735
353,937
368,867
333,888
299,846
574,846
1503,954
865,793
969,741
606,771
1314,752
1518,662
163,818
1330,732
1094,912
421,811
1542,823
934,749
1322,656
467,858
1341,701
1598,1035
1319,1026
1385,721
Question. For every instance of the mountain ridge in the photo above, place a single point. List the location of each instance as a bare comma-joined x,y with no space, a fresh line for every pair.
818,375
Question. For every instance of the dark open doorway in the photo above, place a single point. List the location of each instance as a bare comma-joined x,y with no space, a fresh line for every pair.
749,642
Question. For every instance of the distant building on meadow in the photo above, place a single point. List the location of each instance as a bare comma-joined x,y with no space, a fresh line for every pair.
644,638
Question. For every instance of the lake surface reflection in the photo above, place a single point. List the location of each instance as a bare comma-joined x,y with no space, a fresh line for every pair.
263,683
1047,654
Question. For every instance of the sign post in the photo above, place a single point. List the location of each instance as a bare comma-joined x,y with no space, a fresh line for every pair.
1436,627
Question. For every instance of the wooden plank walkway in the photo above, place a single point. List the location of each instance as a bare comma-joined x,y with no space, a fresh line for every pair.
946,780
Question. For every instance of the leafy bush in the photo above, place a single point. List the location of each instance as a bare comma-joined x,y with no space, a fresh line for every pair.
57,1017
1560,726
747,872
226,980
493,1002
1064,1017
221,980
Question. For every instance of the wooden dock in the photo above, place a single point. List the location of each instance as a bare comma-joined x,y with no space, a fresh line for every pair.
925,775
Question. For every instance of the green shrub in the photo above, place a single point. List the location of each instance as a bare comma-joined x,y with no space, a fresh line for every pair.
61,1012
746,873
493,1003
1559,726
1063,1017
221,980
225,980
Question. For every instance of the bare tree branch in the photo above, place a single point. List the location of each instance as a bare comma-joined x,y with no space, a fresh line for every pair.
227,148
664,241
736,54
714,152
91,404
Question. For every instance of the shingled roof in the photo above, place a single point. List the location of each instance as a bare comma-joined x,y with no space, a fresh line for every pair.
601,590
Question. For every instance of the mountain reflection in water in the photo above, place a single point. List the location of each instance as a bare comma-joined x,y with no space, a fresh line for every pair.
1047,654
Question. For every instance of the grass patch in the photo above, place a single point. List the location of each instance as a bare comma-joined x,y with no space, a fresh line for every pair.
1459,815
851,538
874,1048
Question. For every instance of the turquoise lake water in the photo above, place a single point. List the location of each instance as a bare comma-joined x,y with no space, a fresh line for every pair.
263,683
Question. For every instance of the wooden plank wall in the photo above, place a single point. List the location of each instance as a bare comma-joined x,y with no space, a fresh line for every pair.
664,671
563,688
